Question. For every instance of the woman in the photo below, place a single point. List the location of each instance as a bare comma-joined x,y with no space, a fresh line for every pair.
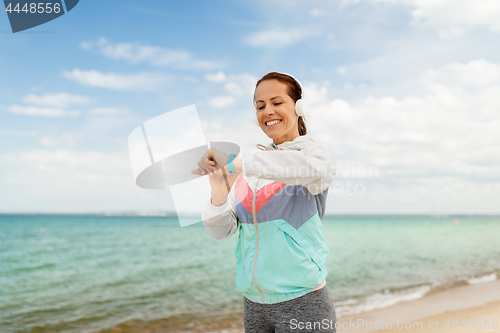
276,202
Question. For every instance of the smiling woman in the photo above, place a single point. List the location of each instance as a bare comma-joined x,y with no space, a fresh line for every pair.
276,200
277,97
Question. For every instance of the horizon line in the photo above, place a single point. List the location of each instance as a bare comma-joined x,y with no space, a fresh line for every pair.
173,214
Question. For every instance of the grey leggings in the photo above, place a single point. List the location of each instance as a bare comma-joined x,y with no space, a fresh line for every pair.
312,312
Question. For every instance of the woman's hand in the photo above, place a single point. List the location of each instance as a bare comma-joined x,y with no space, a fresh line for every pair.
216,175
206,164
219,185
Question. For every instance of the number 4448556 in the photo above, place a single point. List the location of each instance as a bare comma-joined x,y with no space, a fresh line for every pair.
471,323
35,8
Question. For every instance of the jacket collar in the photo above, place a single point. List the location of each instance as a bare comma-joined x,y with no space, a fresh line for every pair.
300,142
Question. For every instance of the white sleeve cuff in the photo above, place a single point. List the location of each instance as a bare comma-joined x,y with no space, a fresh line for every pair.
216,209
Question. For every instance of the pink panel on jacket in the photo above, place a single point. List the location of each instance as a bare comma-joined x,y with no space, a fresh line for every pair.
244,194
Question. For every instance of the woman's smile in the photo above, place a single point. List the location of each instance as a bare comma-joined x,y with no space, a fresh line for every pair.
273,123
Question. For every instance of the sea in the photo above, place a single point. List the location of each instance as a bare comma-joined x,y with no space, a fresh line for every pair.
101,273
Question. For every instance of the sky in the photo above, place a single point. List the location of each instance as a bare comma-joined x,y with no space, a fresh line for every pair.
405,94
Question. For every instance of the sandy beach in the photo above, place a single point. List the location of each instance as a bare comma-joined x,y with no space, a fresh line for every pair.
476,319
479,303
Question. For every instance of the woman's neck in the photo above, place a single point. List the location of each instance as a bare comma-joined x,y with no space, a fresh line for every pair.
281,140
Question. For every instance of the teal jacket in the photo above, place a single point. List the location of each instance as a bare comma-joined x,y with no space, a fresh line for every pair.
277,205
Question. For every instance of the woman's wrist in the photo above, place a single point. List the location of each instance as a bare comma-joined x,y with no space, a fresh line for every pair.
237,165
220,191
219,197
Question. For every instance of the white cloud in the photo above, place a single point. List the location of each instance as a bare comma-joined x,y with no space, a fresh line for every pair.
222,101
452,17
45,181
58,100
217,77
55,105
191,79
237,87
18,133
449,17
93,78
474,73
316,12
342,70
74,166
450,131
314,93
41,111
277,38
156,56
64,140
107,111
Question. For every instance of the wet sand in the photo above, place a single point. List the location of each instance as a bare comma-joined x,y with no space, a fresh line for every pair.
227,323
477,301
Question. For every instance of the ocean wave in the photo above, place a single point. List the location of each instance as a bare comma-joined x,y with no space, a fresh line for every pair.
380,300
392,296
483,278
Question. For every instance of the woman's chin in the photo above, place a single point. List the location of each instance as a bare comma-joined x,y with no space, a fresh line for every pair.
272,135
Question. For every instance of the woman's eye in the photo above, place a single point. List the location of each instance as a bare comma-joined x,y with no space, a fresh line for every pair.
260,107
277,103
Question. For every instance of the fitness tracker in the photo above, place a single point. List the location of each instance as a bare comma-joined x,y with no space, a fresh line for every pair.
230,164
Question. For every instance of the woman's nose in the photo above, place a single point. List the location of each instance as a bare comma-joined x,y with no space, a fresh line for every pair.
269,110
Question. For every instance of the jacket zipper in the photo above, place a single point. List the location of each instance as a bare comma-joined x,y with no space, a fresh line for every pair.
256,237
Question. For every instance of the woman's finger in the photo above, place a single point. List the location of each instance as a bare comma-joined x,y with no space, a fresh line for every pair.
205,164
207,159
201,168
208,167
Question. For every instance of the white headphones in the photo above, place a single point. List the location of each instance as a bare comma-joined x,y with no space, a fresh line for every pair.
301,108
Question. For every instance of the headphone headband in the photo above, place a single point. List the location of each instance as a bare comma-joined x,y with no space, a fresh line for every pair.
296,80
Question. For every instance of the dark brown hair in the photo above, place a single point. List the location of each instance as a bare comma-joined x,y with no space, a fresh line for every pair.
294,91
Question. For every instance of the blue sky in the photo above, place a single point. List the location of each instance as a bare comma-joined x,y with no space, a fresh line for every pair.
405,87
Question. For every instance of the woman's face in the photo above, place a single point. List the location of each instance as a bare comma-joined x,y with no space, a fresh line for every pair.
276,111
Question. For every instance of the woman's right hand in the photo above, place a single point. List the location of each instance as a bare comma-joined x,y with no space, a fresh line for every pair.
211,160
218,183
215,176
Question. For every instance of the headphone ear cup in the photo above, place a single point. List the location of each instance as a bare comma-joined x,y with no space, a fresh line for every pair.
300,108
